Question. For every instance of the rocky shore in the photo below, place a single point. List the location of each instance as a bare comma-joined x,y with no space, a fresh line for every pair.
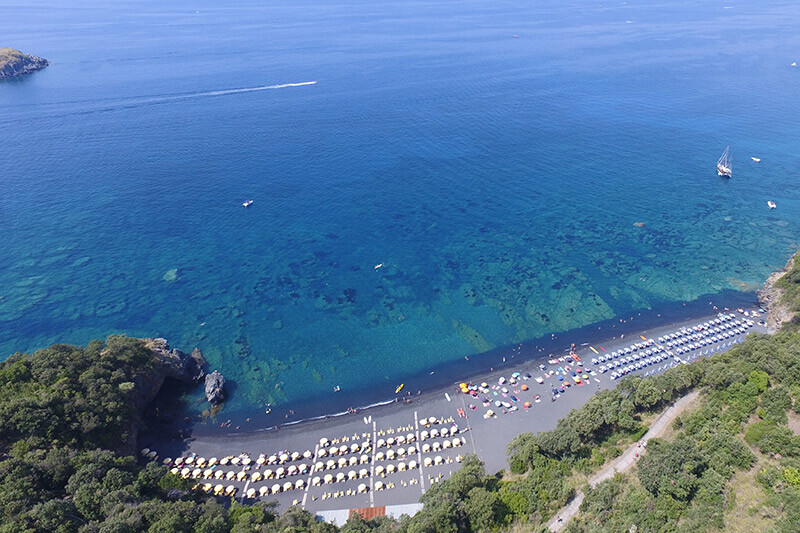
15,63
771,298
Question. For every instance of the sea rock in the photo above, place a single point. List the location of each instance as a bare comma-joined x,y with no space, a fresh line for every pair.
171,276
215,387
770,298
15,63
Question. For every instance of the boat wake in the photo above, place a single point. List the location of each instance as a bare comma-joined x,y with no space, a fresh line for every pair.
224,92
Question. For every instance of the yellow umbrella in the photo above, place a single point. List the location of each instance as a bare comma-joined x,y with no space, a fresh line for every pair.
251,492
218,489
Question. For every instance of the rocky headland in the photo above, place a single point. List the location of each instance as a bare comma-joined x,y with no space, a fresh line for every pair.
15,63
771,297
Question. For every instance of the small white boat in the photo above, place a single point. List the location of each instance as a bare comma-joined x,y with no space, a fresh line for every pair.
771,204
248,203
724,163
379,265
756,159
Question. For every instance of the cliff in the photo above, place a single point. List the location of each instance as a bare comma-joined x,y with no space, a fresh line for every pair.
773,297
15,63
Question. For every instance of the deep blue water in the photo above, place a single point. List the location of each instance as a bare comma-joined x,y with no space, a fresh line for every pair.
497,179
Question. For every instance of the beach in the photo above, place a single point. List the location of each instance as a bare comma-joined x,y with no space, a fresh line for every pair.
355,450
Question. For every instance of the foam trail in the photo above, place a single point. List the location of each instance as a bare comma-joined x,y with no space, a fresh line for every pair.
228,91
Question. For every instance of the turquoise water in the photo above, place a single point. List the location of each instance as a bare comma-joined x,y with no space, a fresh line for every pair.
498,180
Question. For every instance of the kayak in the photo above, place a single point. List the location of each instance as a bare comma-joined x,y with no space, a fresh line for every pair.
398,389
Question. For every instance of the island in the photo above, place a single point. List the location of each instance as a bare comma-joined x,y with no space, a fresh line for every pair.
15,63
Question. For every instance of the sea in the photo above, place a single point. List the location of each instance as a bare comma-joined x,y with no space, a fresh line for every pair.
436,185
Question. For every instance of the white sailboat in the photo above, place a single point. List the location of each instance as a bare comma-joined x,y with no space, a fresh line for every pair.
724,163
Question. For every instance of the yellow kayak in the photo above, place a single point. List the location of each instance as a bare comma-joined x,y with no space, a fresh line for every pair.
398,389
595,351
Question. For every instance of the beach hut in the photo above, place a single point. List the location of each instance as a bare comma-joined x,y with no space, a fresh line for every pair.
328,478
352,474
378,485
276,488
423,435
295,456
401,466
390,468
354,447
426,448
268,473
340,477
330,465
263,490
363,473
288,486
411,437
353,460
280,472
362,488
427,461
412,465
437,460
299,484
307,454
251,493
342,462
230,475
241,475
230,490
219,474
379,470
411,450
316,481
364,459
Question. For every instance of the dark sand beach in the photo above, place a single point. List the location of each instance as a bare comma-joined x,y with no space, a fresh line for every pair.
436,457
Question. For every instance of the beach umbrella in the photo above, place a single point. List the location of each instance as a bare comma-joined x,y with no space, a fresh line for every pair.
401,452
328,478
251,493
224,461
354,447
364,459
145,451
342,462
307,454
340,477
351,474
263,490
179,461
299,484
316,481
410,437
276,488
390,441
241,475
323,441
379,470
401,466
196,473
283,458
190,460
280,472
268,473
423,435
295,456
353,461
330,464
213,461
319,465
363,472
426,448
201,462
381,443
261,460
322,452
445,444
292,470
207,473
175,470
343,449
366,445
427,461
255,476
412,465
378,485
303,468
401,439
457,441
379,456
152,454
362,488
423,422
288,486
218,489
432,420
411,450
524,387
230,475
390,454
272,459
219,474
443,432
436,446
437,460
236,460
390,468
230,490
246,461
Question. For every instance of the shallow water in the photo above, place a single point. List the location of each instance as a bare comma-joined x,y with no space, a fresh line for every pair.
498,180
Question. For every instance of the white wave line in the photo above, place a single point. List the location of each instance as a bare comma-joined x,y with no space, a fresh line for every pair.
252,89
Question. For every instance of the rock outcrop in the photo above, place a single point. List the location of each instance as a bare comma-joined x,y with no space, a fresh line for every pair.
15,63
215,388
770,297
168,363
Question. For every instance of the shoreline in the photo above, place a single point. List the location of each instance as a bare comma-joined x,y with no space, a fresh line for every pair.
438,379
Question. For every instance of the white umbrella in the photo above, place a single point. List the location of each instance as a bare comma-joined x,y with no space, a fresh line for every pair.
445,443
343,449
363,472
292,470
411,450
401,466
175,470
456,441
342,462
322,452
185,472
213,461
299,484
353,460
316,481
196,473
145,451
235,461
276,488
241,475
423,422
280,472
263,491
268,473
427,461
444,432
330,464
378,485
434,433
432,420
207,473
351,474
423,435
381,443
328,478
283,458
230,475
362,488
333,450
390,454
379,456
323,441
219,474
412,465
401,439
230,490
272,459
251,493
288,486
260,461
410,437
225,460
354,447
437,460
426,448
379,470
319,465
437,446
246,461
167,461
307,454
364,459
401,451
340,476
295,456
390,468
390,441
218,489
207,487
189,460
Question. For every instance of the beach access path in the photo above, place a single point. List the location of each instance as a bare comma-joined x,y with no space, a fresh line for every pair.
624,462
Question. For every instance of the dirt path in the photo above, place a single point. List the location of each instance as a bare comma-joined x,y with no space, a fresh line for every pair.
624,462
